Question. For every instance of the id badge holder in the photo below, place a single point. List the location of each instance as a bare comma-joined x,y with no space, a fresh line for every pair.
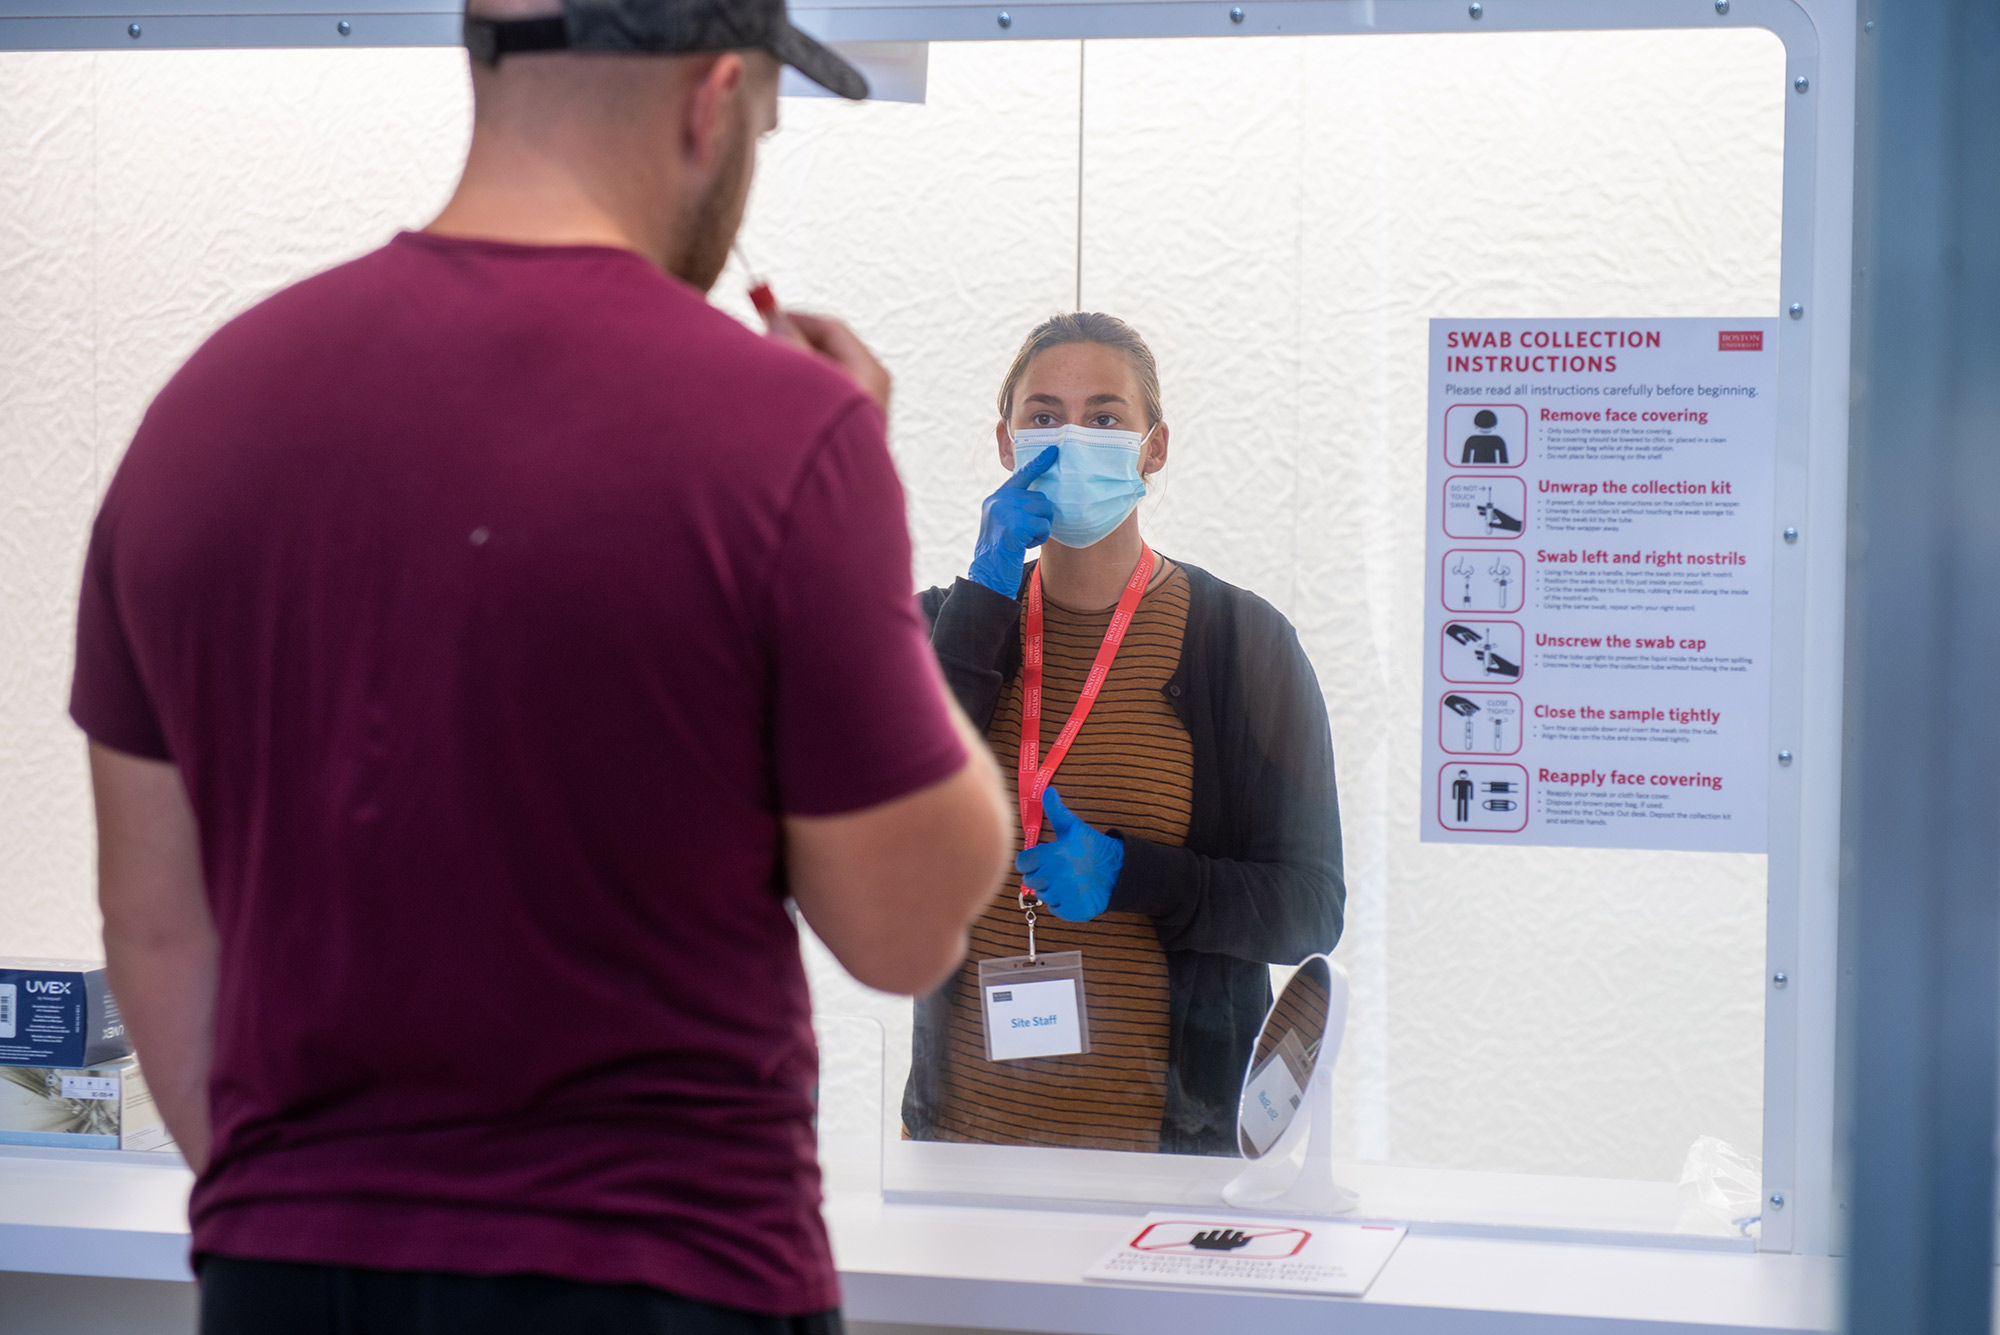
1033,1006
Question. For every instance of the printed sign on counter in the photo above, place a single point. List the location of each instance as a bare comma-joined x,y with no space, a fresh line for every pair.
1599,545
1296,1255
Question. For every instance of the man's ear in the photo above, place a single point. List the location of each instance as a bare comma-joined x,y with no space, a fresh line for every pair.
710,96
1156,452
1005,439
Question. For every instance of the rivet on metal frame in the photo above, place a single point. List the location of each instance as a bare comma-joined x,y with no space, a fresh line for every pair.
1476,9
1236,14
1784,757
1801,83
1798,310
132,31
1006,19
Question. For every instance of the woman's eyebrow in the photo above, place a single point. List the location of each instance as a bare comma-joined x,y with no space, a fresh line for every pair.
1105,398
1043,398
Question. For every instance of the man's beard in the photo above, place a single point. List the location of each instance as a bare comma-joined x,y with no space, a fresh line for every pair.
714,218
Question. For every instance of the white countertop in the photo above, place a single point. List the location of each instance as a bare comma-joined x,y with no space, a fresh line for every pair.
94,1212
124,1216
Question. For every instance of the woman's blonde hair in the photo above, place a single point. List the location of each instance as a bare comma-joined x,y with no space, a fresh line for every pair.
1086,327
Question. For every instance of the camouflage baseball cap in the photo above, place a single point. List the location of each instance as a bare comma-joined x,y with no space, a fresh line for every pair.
664,26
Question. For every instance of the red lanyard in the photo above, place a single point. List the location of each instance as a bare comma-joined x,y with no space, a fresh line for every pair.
1034,776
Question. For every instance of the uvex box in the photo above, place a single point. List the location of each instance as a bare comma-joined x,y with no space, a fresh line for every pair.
102,1107
58,1013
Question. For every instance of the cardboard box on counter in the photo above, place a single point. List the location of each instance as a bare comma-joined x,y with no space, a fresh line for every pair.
102,1107
58,1013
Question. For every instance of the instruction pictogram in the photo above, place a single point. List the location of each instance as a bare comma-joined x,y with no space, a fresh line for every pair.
1483,579
1486,435
1488,797
1480,652
1473,722
1482,505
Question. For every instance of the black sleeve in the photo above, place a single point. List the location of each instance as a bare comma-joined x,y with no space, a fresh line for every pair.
973,633
1281,896
972,630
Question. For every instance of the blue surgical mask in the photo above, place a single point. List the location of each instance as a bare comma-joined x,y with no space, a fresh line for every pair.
1095,482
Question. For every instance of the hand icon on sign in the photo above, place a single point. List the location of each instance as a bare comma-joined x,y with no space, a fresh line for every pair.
1220,1240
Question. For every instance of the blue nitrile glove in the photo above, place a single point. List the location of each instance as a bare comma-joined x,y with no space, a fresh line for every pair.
1074,874
1012,520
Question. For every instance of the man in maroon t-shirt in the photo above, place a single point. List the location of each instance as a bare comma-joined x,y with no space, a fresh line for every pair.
478,645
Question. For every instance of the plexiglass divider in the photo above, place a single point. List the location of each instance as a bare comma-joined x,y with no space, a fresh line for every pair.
851,1049
1452,1202
1447,1201
1538,1035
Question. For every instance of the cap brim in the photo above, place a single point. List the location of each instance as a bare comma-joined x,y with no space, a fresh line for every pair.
818,63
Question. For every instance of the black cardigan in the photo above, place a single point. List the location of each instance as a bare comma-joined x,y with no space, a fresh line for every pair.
1259,880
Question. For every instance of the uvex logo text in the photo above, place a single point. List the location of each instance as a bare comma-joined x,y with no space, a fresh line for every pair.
49,985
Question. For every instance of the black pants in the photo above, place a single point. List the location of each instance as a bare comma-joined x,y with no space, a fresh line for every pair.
290,1298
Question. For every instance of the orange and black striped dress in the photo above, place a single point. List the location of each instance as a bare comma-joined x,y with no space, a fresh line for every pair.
1130,769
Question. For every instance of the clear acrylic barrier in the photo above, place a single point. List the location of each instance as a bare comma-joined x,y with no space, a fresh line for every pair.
850,1103
1545,1031
1538,1035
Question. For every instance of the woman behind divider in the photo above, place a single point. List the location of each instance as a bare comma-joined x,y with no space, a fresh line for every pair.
1188,832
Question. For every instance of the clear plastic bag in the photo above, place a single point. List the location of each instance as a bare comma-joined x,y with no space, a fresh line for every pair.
1721,1190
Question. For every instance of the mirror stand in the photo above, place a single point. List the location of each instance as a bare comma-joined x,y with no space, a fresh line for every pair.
1296,1176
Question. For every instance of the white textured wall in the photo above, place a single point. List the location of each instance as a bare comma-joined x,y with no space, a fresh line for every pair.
1280,217
145,198
48,474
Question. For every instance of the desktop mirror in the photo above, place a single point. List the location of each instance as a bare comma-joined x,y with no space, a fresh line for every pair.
1284,1121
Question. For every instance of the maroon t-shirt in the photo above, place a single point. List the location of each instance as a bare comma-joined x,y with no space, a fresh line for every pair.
495,603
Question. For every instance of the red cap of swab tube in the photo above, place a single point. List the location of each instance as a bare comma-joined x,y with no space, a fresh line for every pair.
760,290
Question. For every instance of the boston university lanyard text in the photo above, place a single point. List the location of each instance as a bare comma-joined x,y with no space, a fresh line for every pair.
1035,776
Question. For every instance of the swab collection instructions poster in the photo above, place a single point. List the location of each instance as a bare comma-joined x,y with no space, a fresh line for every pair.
1598,582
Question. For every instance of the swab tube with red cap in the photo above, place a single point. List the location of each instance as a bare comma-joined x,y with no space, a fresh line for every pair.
760,288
